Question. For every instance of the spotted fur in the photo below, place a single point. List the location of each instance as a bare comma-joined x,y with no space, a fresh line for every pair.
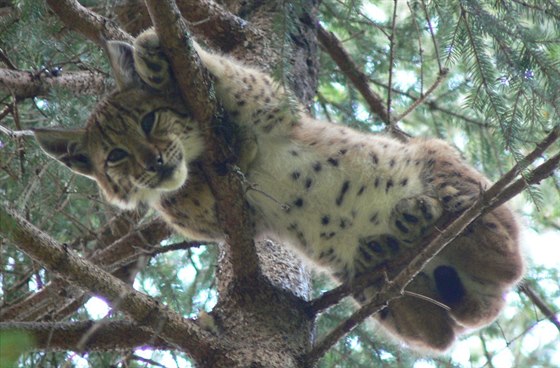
345,200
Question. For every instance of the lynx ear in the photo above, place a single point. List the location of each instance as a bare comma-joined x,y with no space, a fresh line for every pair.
66,146
122,62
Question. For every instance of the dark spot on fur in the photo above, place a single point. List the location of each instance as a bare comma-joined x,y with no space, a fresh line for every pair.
375,247
373,218
308,183
362,188
298,202
317,166
153,66
333,161
393,244
401,227
343,191
449,284
325,220
376,182
392,162
384,313
365,255
404,182
389,185
327,236
410,218
296,175
157,80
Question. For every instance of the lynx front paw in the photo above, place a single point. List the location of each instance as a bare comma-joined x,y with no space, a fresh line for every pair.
151,64
412,217
454,197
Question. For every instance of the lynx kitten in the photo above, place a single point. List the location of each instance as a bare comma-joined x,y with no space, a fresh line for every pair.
350,200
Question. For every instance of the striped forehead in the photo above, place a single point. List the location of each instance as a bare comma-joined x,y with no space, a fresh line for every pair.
113,121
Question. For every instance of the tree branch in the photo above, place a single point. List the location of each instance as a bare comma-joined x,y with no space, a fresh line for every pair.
334,48
210,19
102,335
24,84
51,299
146,311
195,86
526,289
92,25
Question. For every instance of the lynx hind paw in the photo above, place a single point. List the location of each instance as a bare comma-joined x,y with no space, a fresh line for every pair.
420,323
472,304
413,216
150,61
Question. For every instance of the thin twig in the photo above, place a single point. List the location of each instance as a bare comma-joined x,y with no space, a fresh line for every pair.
551,315
15,133
441,76
392,47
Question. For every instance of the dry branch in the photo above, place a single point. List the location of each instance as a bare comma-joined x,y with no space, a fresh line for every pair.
92,25
22,84
104,335
51,299
147,312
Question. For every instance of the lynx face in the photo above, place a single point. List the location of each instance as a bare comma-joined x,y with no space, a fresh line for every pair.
136,145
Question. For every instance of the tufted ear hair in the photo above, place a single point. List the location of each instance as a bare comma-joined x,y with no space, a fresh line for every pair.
66,146
121,57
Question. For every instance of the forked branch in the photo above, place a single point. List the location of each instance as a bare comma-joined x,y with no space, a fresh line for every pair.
147,312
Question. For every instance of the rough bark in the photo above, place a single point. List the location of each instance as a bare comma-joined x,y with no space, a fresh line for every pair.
22,84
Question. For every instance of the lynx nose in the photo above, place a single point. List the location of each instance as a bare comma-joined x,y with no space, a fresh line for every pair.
154,164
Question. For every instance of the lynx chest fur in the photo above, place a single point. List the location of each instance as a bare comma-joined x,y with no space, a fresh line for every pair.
345,200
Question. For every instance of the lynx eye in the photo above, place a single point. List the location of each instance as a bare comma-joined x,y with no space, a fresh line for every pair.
148,122
116,155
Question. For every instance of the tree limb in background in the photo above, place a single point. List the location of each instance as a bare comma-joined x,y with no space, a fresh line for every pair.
209,18
92,25
146,311
334,48
51,299
195,86
526,289
108,335
24,84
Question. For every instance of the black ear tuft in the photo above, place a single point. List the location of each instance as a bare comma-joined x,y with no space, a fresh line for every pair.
66,146
122,62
